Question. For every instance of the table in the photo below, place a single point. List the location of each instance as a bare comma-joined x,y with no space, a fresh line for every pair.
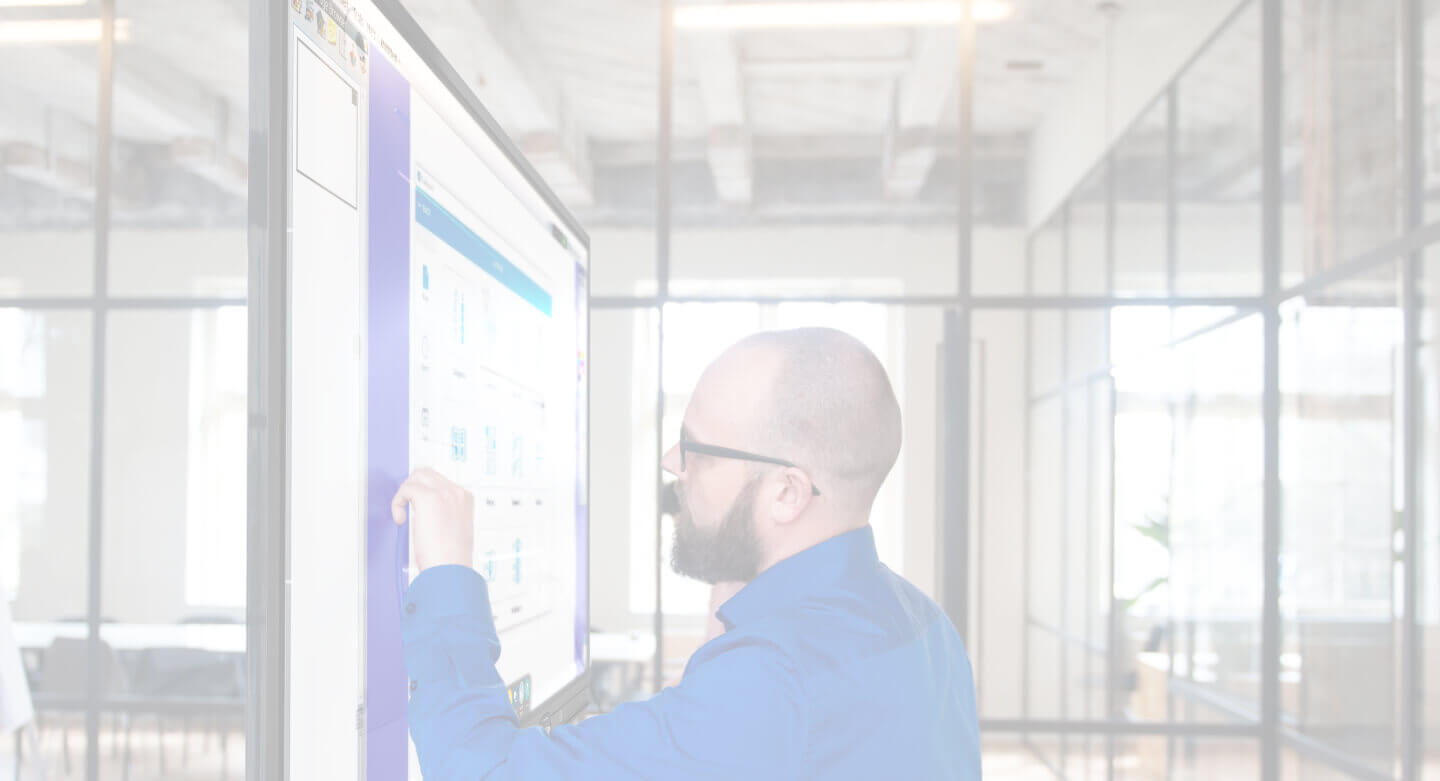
218,638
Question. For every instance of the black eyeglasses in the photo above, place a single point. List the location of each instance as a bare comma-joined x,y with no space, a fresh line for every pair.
687,445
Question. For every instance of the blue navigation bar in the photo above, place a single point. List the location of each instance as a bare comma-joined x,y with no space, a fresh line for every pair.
449,229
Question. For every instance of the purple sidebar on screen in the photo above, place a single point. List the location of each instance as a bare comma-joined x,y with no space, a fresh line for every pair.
387,545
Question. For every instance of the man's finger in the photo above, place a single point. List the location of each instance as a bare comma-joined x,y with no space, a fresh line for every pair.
403,497
421,480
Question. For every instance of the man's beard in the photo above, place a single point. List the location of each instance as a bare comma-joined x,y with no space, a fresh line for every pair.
728,552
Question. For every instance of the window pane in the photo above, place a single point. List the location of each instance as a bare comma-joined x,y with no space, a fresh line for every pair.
1087,265
1140,209
1342,126
998,453
1185,759
696,334
1430,65
623,381
173,565
45,391
47,162
1188,526
1218,169
1339,382
180,182
1045,512
1428,486
1047,258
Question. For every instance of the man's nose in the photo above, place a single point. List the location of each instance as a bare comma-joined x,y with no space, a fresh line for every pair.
670,462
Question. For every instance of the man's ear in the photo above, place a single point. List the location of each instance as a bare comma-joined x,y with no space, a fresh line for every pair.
792,495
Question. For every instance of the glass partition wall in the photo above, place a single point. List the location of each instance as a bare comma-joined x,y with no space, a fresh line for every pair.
1169,445
1225,515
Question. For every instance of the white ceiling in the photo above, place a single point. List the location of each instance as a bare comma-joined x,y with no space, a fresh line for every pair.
575,82
604,56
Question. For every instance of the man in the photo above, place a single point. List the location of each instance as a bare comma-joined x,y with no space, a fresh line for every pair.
830,665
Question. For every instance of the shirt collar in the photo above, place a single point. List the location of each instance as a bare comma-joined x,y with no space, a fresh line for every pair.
811,571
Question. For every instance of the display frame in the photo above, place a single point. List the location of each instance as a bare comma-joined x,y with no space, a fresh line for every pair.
268,723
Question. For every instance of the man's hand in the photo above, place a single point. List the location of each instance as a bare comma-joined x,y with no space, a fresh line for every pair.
444,515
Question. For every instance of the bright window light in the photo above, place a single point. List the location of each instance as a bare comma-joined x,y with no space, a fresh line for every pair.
40,3
49,31
845,14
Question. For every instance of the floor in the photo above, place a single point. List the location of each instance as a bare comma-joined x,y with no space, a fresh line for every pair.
154,754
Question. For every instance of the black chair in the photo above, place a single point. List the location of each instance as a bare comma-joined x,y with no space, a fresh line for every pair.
189,681
60,683
212,618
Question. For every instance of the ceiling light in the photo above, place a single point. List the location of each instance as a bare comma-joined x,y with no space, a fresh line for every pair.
39,3
43,31
841,14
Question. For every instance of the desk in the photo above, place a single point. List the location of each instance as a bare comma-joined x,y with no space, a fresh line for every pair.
622,647
619,661
206,683
217,638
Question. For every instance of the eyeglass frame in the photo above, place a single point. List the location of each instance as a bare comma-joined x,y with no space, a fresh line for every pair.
689,445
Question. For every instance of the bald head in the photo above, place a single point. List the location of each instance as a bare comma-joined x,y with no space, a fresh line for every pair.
820,398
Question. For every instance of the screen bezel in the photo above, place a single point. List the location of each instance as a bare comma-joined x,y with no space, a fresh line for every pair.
566,703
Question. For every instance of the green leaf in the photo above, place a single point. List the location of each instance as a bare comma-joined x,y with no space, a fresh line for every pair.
1154,584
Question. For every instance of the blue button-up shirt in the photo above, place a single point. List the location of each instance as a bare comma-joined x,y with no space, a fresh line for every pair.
831,666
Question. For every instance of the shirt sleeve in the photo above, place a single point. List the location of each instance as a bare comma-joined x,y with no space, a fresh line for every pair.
737,713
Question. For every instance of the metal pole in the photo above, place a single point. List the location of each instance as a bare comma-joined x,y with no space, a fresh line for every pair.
955,513
265,713
1412,86
662,281
1063,484
954,542
1272,192
965,157
1172,272
1109,519
981,410
104,140
1027,470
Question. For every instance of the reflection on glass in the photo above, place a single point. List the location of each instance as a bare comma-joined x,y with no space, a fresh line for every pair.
1088,272
47,163
1217,172
1140,209
173,563
180,180
1047,258
1428,489
45,517
1341,62
623,378
1187,454
1140,758
1339,382
1430,74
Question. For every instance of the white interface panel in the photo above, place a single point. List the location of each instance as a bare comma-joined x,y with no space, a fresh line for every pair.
439,304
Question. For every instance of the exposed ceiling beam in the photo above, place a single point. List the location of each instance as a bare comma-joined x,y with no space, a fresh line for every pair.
860,68
919,100
809,146
731,159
